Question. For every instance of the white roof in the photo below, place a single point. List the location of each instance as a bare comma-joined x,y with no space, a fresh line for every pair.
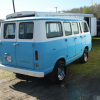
43,18
33,13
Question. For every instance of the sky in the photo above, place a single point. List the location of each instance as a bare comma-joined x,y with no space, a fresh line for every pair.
6,6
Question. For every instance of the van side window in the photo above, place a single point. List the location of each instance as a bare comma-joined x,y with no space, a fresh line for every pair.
53,29
9,31
67,28
26,30
75,28
84,26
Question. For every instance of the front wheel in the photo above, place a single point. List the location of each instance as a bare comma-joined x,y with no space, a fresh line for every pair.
84,57
59,72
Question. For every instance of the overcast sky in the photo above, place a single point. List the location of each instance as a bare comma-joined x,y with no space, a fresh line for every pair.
6,6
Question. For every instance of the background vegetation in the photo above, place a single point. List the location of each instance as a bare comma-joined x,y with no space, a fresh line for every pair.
92,67
94,9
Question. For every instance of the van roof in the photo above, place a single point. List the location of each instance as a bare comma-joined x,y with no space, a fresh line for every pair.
43,18
35,14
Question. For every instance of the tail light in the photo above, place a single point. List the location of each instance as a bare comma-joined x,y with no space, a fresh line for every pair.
36,55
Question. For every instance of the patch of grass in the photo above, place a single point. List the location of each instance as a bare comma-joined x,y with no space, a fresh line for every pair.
4,74
92,67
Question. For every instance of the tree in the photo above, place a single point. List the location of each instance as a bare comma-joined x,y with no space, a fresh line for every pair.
86,11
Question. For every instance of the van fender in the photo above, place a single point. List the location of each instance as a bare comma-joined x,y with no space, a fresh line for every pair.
60,58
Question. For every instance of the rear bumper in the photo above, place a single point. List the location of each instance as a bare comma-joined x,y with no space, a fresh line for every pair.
22,71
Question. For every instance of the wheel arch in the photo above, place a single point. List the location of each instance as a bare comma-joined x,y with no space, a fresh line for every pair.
87,47
60,59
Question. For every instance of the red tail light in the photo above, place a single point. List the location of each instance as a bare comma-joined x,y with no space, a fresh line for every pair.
36,55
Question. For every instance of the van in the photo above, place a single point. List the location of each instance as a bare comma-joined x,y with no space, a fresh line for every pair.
37,46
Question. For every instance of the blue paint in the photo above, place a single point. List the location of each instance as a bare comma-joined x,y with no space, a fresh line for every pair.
49,52
9,48
24,55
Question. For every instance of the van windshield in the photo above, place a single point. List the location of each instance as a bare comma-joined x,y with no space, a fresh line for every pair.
9,31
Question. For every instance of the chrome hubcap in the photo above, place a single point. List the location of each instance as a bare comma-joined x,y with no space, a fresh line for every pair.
61,73
85,56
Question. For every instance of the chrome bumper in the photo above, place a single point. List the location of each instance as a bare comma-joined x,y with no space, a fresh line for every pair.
22,71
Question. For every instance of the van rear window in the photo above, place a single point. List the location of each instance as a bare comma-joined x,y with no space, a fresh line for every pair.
53,29
26,30
9,31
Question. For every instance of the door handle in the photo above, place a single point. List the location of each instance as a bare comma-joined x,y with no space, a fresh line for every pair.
6,53
15,44
75,38
65,39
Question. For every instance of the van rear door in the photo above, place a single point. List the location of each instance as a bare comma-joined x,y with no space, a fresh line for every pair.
8,37
25,46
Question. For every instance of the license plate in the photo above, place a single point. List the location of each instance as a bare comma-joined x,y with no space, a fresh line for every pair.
8,58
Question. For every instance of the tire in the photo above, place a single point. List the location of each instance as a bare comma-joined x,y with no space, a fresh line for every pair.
59,72
84,57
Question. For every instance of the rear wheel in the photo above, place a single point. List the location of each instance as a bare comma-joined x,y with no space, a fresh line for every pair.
59,72
84,57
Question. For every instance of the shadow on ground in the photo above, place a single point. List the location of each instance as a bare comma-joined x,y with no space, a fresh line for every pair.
43,89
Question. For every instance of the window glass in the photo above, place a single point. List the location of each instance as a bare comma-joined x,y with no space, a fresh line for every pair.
85,28
75,28
67,28
9,31
26,30
53,29
80,28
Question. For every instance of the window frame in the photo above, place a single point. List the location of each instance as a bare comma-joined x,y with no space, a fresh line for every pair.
54,22
80,28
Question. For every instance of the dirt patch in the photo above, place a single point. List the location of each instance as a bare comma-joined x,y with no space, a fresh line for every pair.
74,87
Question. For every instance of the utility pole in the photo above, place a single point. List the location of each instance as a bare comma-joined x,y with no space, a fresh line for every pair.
13,6
56,8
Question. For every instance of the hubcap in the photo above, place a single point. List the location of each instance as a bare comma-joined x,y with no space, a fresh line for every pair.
85,56
61,73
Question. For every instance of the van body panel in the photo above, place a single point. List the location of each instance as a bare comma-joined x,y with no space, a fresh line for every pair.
78,45
8,50
24,55
49,52
70,45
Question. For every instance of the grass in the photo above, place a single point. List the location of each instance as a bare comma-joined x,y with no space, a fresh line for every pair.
92,67
4,74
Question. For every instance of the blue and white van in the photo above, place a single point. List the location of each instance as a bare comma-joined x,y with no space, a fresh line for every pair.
37,46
